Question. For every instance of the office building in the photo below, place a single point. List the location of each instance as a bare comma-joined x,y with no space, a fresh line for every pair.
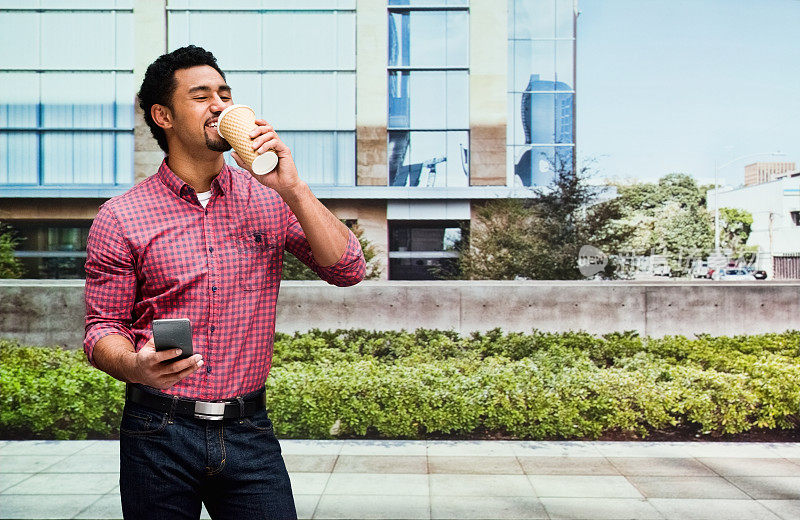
759,172
401,115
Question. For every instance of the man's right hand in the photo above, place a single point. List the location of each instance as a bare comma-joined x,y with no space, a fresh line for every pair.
151,369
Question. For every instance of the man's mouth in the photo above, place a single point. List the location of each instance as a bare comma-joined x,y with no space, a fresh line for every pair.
212,124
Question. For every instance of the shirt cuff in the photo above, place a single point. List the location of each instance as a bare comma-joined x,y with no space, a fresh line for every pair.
350,268
95,333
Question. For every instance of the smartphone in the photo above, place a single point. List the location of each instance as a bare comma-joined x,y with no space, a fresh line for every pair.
173,333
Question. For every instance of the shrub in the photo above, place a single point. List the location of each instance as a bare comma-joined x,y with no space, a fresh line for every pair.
400,384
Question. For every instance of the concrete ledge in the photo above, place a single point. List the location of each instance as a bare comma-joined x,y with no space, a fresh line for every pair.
52,311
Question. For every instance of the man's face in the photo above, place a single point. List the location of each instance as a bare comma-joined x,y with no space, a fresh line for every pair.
200,95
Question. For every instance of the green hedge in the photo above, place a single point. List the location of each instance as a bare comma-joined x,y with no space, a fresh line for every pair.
353,383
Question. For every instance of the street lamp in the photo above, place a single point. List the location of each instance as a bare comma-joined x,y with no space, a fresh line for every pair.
716,189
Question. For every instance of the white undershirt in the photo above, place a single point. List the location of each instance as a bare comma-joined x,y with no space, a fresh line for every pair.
204,197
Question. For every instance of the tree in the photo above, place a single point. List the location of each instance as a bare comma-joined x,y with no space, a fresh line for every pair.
294,269
540,238
10,266
734,229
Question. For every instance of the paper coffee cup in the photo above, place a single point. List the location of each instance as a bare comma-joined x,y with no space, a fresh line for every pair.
234,125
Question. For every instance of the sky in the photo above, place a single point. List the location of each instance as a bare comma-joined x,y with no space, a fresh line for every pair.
669,86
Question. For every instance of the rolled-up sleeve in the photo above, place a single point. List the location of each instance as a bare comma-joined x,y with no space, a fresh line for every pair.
110,282
350,268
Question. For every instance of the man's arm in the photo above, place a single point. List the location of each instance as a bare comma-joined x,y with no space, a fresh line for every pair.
110,294
327,236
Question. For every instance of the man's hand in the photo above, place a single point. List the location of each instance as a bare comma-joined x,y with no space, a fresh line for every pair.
284,178
151,369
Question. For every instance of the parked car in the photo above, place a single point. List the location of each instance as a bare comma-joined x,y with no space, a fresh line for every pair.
760,275
733,274
700,270
662,270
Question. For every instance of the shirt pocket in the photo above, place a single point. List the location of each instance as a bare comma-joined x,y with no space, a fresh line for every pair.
258,260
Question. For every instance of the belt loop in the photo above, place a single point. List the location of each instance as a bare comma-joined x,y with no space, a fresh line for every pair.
241,405
172,409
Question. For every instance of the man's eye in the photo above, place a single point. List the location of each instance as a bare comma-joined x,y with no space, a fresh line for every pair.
225,98
200,98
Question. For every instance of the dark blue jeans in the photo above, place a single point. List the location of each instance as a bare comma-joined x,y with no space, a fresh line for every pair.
169,464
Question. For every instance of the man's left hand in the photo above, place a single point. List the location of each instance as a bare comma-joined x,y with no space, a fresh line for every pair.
284,178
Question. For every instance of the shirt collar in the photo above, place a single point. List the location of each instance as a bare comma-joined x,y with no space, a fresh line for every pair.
219,185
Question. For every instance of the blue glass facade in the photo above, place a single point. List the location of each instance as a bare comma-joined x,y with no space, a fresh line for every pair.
541,92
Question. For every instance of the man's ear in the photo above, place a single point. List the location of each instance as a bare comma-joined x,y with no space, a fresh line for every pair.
162,115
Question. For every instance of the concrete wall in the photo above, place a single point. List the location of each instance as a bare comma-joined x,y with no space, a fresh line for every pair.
51,312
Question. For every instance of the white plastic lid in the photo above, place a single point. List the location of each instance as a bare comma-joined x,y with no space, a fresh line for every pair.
265,163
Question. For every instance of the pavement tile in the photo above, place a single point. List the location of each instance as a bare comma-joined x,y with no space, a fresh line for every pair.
769,488
740,450
376,484
785,509
85,463
687,487
661,466
107,506
27,463
43,506
65,484
305,505
44,447
308,483
11,479
481,485
583,486
555,449
373,506
104,448
567,466
471,448
662,450
309,447
309,463
752,467
487,507
711,509
416,464
396,448
600,509
789,450
475,465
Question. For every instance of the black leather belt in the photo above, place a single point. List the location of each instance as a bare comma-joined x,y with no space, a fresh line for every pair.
209,410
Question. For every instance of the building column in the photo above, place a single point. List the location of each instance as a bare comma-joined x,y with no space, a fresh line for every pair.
488,87
371,217
150,42
372,37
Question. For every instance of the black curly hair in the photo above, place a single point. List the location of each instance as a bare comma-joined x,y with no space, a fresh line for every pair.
158,84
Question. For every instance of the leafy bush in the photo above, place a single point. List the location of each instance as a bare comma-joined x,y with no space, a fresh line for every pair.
356,383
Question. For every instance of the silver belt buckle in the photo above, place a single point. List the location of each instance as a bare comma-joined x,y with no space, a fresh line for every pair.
209,411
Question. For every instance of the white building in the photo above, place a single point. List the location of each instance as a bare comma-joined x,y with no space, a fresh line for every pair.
775,207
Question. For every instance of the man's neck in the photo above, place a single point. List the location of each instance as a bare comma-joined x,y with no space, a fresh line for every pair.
197,172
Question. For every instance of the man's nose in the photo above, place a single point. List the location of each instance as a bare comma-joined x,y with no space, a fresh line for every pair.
218,105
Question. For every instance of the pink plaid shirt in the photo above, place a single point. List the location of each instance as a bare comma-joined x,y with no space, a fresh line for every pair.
154,252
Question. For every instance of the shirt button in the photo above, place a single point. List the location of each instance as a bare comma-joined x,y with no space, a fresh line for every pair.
210,249
213,328
208,369
214,289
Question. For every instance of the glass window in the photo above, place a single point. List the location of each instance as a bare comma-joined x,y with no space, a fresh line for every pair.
273,40
310,100
83,31
429,99
536,166
431,3
20,40
428,39
19,158
565,72
428,159
565,16
423,250
534,65
52,250
534,19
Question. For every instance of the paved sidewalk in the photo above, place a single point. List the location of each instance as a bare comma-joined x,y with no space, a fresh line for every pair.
460,479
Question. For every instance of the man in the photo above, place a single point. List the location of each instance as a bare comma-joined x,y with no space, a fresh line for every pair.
204,241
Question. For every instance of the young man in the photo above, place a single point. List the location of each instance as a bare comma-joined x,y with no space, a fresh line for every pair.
204,241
